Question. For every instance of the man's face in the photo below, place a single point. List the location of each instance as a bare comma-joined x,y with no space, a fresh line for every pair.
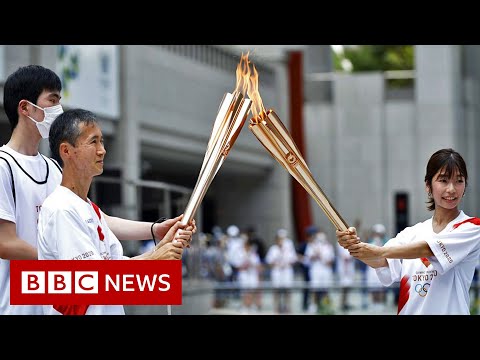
89,151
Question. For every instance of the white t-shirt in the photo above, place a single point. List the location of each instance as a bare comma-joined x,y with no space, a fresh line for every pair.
70,228
345,267
441,283
320,254
248,273
34,178
281,260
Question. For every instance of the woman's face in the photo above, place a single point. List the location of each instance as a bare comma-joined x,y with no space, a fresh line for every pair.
447,192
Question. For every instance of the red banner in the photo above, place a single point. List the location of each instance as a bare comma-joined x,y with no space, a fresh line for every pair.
96,282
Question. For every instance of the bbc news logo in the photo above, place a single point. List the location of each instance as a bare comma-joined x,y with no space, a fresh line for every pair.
59,282
96,282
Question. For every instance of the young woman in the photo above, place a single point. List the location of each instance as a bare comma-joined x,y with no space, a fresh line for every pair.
434,260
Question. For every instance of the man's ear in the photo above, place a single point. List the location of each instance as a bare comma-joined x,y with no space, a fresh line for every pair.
22,107
65,150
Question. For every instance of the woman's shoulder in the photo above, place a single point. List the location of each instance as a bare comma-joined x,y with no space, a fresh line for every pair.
464,220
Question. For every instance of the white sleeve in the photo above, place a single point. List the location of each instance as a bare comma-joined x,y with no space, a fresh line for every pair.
116,248
7,203
329,254
235,255
272,255
291,255
308,251
342,252
386,275
451,248
68,237
392,273
256,259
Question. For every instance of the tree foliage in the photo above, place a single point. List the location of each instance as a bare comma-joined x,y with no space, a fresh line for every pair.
378,58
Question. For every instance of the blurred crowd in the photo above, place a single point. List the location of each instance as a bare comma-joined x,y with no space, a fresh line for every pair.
243,267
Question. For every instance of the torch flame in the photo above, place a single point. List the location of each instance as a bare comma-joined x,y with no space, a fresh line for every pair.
258,109
247,83
243,74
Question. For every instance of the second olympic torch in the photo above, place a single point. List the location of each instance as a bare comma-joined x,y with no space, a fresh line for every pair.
230,119
274,136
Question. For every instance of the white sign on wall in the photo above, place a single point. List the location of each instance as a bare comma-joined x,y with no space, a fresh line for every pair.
2,63
90,77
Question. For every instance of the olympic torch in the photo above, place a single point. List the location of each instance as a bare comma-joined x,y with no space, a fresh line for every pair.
274,136
230,119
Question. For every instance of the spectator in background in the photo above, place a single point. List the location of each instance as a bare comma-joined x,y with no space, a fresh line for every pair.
345,267
234,244
320,255
281,257
257,242
259,246
218,268
360,266
303,261
249,277
377,291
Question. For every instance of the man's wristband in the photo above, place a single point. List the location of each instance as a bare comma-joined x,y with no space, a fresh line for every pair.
162,219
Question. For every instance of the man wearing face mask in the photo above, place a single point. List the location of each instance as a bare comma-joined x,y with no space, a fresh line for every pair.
31,97
32,102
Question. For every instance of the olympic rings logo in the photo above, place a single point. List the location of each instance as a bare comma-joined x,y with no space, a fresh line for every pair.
422,290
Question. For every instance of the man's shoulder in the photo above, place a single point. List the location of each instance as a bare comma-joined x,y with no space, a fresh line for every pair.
62,199
5,154
6,171
8,152
14,157
56,200
56,206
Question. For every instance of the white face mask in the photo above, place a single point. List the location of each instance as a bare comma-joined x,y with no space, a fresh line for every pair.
377,240
321,237
51,114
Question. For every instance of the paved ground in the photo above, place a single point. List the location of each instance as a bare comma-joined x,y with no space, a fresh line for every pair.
355,300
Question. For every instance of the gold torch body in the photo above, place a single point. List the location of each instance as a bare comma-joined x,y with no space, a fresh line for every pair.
274,136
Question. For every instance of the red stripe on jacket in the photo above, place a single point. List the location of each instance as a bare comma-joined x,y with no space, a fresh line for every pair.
404,293
71,309
473,220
